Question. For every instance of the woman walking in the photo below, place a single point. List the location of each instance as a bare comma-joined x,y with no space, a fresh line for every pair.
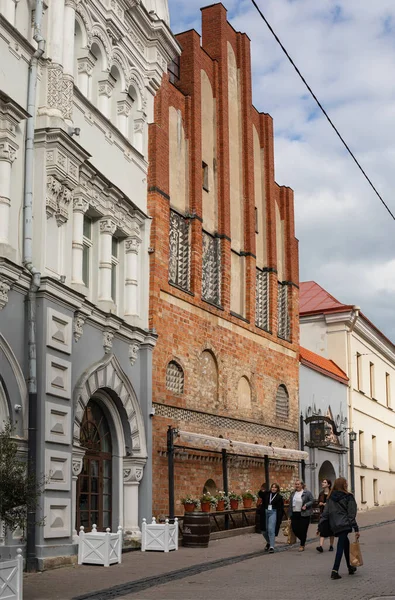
300,510
341,511
322,498
272,510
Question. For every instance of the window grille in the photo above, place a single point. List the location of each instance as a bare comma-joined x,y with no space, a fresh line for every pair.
174,378
262,300
282,403
179,256
211,269
284,326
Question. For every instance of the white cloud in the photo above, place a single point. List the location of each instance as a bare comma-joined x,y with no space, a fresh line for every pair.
346,51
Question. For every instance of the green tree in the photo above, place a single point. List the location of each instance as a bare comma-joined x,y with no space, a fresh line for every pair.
19,491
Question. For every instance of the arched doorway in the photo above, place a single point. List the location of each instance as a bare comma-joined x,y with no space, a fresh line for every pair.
94,488
326,471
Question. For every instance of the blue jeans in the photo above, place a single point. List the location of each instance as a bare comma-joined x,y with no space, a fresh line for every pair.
343,546
270,533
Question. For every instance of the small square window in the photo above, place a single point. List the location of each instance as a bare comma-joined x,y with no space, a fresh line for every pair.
205,176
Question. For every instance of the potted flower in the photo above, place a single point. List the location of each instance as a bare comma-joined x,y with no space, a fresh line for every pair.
286,494
234,500
248,498
222,501
190,504
207,501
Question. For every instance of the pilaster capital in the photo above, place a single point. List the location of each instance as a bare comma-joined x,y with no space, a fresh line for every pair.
80,204
108,337
134,348
108,226
78,460
105,88
86,64
132,245
124,107
72,3
4,289
7,150
78,325
133,470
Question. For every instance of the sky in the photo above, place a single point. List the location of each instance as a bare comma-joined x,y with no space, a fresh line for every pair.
346,51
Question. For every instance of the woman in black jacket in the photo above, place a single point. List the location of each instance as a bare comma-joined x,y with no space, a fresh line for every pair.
341,511
272,510
322,498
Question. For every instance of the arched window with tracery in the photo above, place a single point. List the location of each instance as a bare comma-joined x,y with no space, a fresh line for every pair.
282,403
174,378
94,493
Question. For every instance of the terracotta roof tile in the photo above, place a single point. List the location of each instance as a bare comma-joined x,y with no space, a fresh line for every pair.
313,298
321,364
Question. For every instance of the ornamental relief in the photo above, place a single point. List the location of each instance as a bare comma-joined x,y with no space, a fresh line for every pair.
58,200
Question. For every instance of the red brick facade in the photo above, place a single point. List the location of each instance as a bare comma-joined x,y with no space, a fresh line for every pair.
208,400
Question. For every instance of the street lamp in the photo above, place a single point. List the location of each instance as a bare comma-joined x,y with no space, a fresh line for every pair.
353,438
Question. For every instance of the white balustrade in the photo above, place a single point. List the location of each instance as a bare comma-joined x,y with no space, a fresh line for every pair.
161,537
11,578
99,548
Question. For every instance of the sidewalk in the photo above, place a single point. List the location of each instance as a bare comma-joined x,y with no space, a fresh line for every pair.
69,582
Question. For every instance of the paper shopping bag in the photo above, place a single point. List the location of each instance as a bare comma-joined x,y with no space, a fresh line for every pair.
291,536
355,555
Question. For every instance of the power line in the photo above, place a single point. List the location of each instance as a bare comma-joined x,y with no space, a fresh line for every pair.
324,111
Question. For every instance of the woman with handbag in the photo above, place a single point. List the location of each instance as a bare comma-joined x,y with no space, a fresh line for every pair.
300,511
322,498
341,511
272,511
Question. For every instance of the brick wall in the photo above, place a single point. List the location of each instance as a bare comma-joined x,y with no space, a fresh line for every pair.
188,326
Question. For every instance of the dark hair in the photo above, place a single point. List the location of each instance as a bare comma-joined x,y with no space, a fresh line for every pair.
275,484
328,481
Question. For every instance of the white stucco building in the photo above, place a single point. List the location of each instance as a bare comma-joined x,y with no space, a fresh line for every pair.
77,85
345,335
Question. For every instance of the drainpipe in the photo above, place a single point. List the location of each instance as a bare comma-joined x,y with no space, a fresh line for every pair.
356,310
31,560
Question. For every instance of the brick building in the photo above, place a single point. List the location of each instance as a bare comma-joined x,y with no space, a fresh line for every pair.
224,272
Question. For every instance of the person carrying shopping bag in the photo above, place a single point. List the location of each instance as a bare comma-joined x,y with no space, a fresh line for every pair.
300,511
341,511
272,511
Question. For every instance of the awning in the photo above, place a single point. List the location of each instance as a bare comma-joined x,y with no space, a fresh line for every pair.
209,442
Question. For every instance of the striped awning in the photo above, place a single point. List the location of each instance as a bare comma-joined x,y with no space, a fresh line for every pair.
209,442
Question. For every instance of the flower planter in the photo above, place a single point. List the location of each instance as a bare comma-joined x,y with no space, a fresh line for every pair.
247,502
234,504
189,507
221,505
11,578
100,548
205,506
161,537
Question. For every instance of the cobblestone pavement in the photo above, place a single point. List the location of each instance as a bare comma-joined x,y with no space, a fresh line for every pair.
72,582
292,575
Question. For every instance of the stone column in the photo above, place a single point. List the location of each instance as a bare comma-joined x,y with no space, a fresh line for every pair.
55,69
85,70
132,246
139,133
105,92
80,206
107,230
68,57
7,157
78,462
133,470
123,112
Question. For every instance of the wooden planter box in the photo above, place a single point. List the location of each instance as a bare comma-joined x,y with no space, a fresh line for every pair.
161,537
99,548
11,578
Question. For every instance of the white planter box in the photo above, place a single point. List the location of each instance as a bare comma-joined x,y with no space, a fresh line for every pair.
11,578
162,537
100,548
